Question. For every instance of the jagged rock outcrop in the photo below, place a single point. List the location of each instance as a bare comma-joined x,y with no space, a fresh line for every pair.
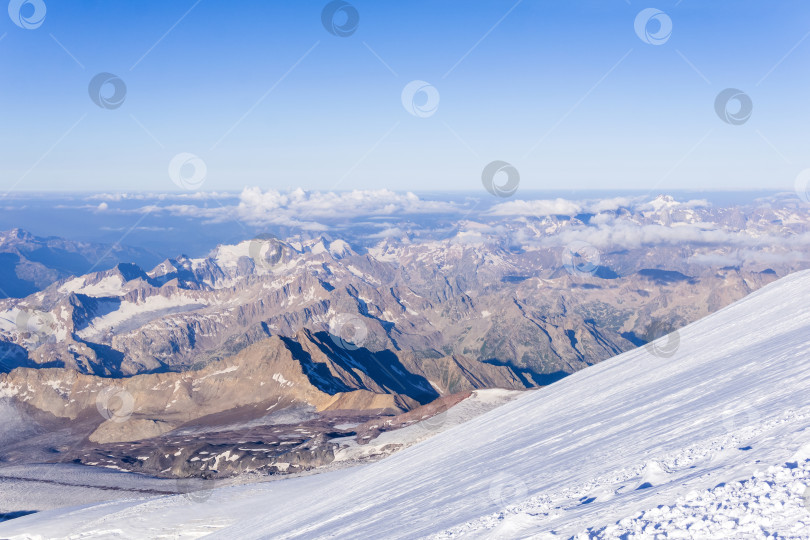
277,372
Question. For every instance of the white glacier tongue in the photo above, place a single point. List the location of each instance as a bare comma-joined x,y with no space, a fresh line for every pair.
601,446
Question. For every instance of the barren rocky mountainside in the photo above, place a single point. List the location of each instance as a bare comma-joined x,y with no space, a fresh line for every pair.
268,325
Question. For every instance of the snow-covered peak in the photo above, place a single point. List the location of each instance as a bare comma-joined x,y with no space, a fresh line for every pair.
340,248
663,201
228,255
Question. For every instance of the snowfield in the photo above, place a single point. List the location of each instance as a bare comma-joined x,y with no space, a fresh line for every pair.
710,442
766,502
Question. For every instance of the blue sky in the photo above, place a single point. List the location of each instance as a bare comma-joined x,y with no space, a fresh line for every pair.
562,89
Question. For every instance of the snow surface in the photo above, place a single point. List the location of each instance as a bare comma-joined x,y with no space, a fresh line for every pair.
777,500
107,286
61,484
130,315
478,403
599,450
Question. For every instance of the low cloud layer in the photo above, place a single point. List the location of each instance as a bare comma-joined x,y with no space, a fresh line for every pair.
617,223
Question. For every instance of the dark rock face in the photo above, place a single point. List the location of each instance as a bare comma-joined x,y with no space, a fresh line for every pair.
217,456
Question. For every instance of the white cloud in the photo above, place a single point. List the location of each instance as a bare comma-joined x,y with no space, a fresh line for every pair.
609,205
527,223
540,207
391,232
631,235
303,209
137,196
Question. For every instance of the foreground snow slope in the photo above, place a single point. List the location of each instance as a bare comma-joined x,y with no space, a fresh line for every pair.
733,399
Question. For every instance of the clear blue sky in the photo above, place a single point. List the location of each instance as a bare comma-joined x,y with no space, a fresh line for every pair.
567,79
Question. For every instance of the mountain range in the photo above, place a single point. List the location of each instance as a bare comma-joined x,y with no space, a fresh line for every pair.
325,332
711,442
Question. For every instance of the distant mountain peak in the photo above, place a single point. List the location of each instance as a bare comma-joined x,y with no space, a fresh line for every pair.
18,234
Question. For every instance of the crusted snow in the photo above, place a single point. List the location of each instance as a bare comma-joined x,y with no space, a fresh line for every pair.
318,249
630,443
109,285
776,499
130,315
227,256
